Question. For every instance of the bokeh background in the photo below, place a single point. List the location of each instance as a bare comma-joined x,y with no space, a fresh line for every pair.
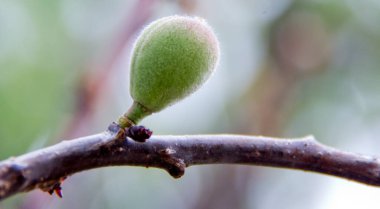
287,69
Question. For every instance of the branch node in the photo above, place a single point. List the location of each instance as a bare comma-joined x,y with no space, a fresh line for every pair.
52,186
11,176
120,133
113,128
173,165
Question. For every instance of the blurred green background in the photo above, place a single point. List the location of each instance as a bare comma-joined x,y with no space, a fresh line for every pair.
288,69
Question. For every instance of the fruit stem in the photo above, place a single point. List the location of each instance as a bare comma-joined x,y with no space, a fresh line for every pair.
135,113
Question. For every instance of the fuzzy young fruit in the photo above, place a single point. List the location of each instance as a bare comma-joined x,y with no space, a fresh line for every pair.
172,57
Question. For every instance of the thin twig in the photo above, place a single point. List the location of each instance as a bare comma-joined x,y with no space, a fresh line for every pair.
46,168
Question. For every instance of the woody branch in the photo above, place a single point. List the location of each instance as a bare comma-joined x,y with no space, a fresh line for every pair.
46,168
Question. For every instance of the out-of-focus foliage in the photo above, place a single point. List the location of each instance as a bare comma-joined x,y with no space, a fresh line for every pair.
34,83
288,68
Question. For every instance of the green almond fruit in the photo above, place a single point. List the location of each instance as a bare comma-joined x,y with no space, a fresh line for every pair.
172,57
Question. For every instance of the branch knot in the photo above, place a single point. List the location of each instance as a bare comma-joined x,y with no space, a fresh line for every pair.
175,166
